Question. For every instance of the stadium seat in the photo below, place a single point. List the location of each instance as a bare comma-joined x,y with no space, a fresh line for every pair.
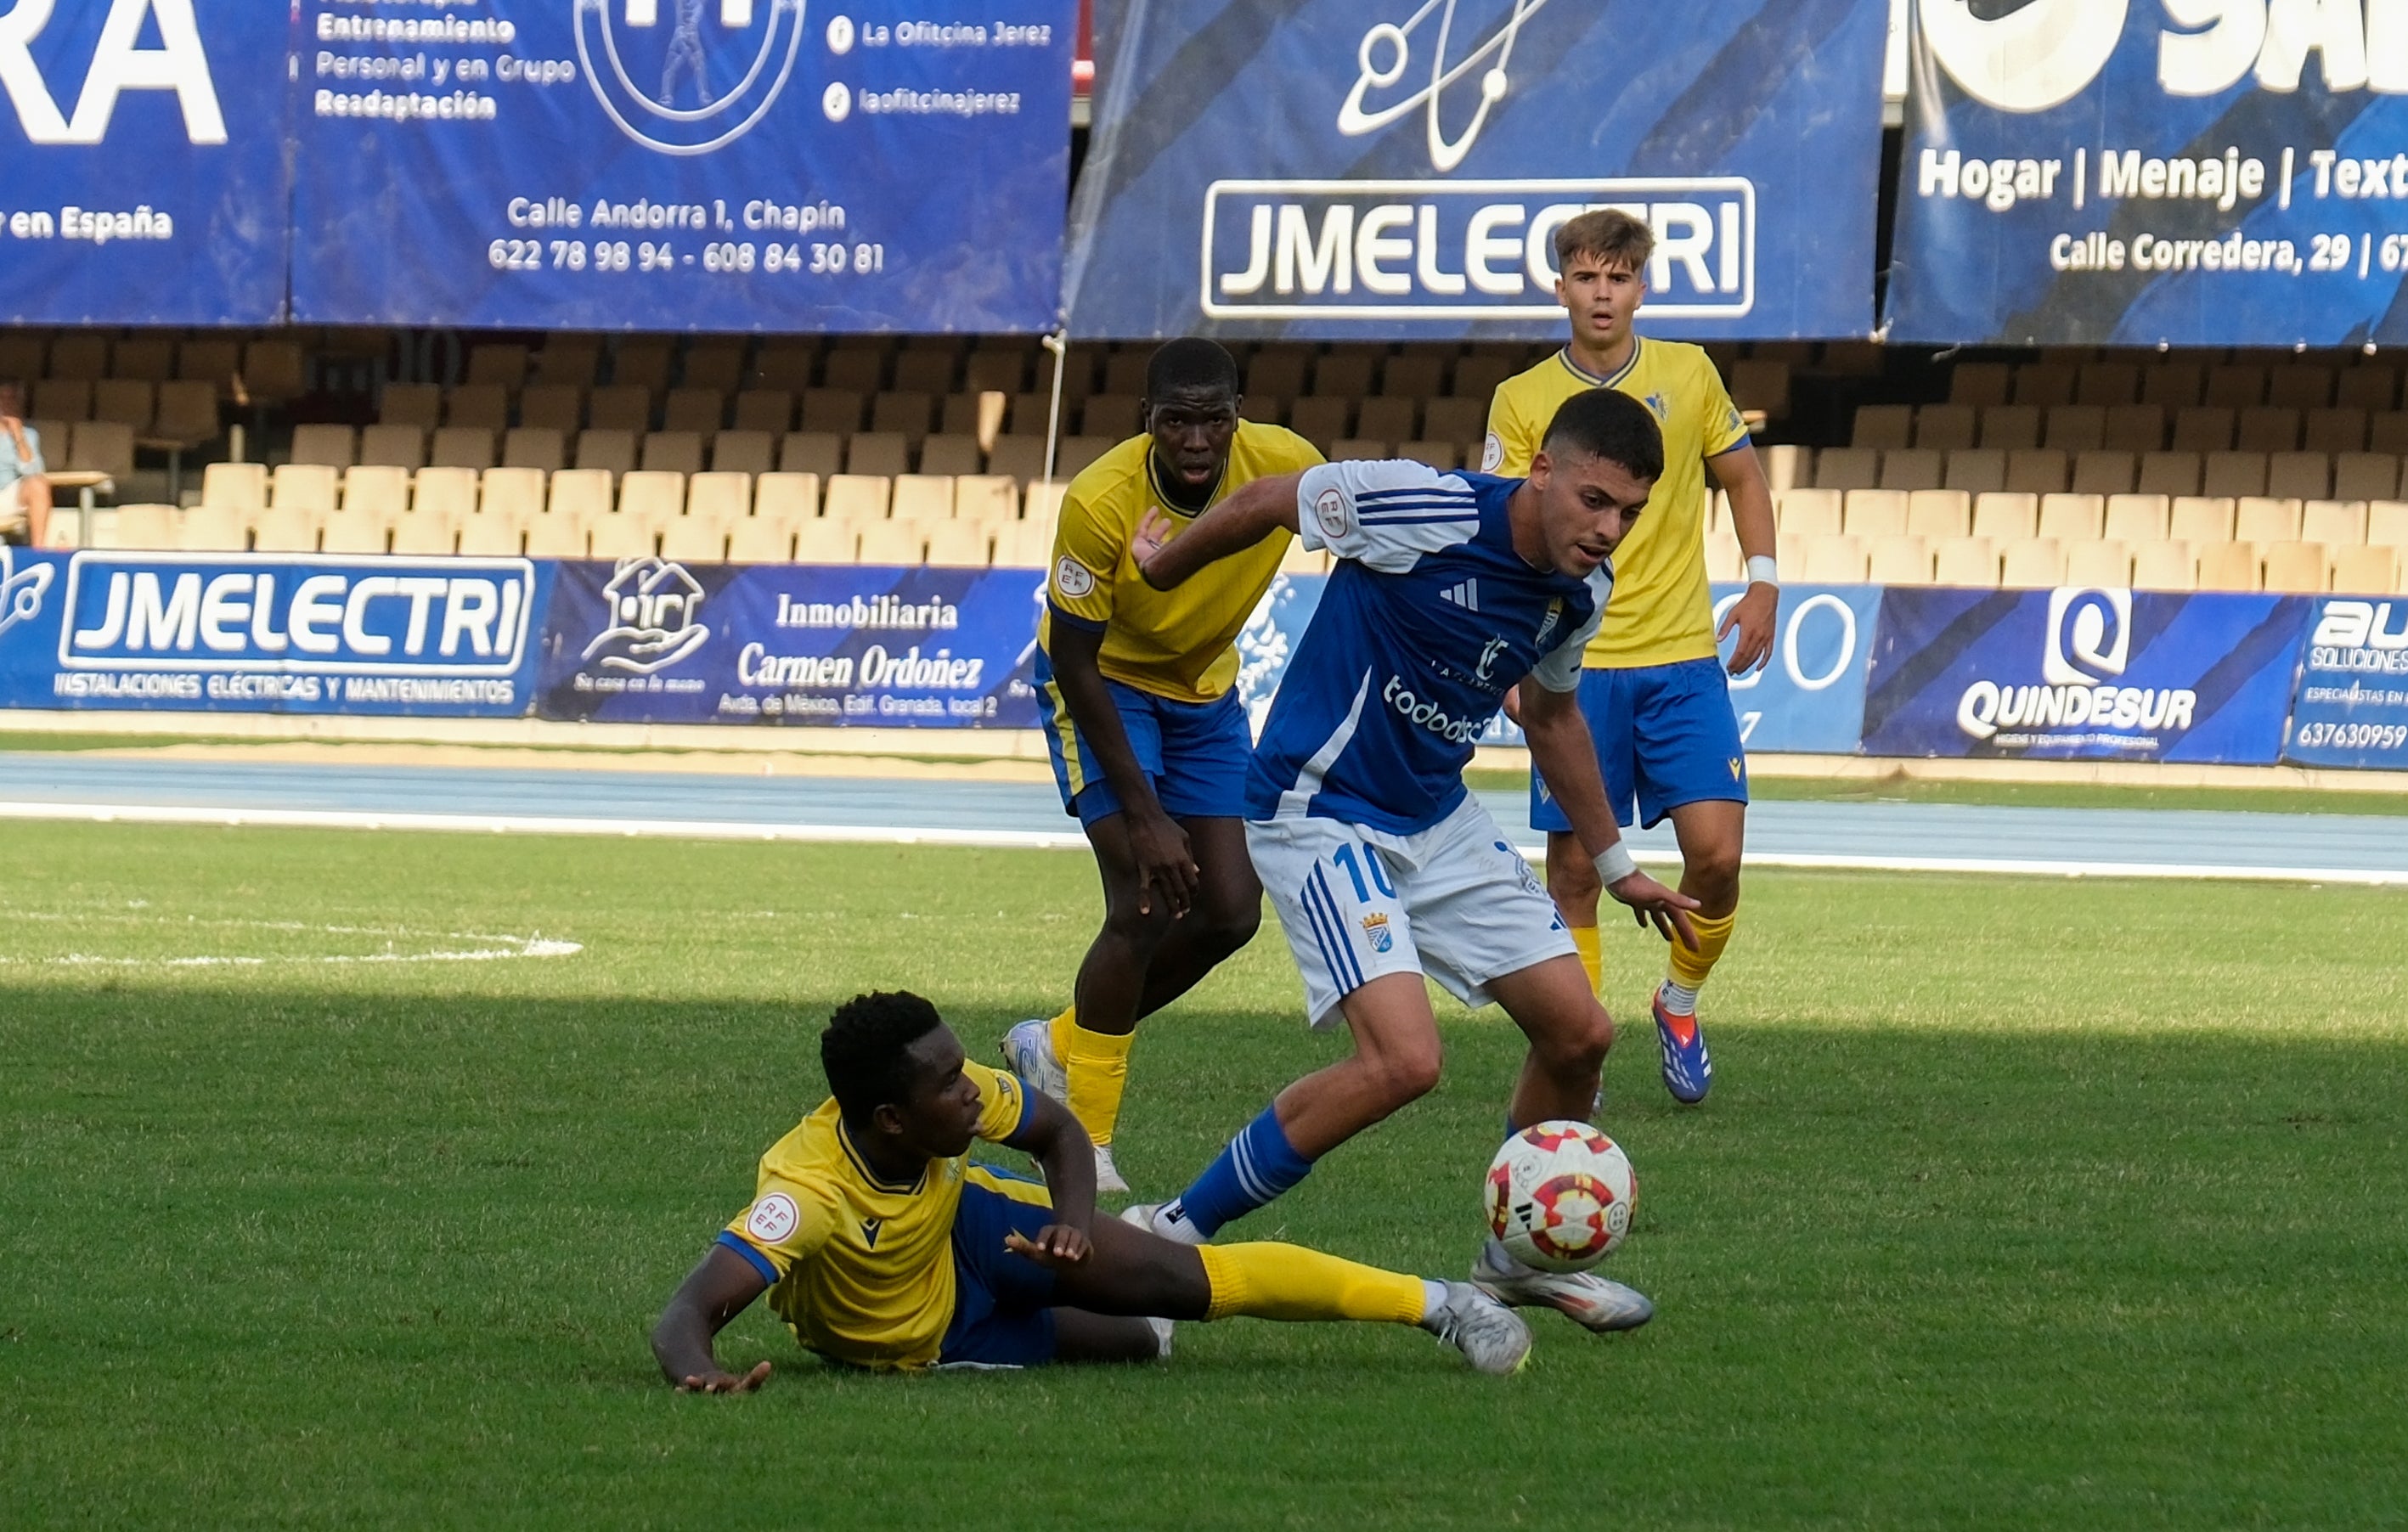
818,453
649,497
1356,450
2297,568
2104,472
490,536
309,485
127,401
958,545
2199,519
743,451
1834,560
568,360
1899,561
2009,428
786,497
2137,519
101,447
469,447
718,498
621,536
1300,560
274,372
150,358
785,366
411,404
238,486
500,363
950,455
1023,545
2387,432
758,539
1848,468
376,490
2366,571
701,411
2261,519
1724,562
856,498
2172,385
2202,429
212,360
2332,431
1934,514
929,373
2071,518
1000,371
1476,377
620,407
921,497
1981,470
1075,452
2365,475
886,454
609,449
1442,455
2038,471
1980,383
536,447
211,529
2373,388
1462,422
2099,561
2032,563
425,536
2169,473
1809,512
990,499
695,540
2268,429
906,414
1971,561
147,527
2076,428
552,406
62,398
444,493
188,414
836,410
2387,523
2043,383
2335,524
2005,518
1939,428
2229,567
1114,415
393,446
642,361
284,530
2236,386
323,446
80,354
1915,469
555,536
2165,565
2300,385
1041,504
672,451
356,533
893,542
2106,383
2299,476
1412,374
2134,428
772,410
1868,514
577,495
1387,419
2233,474
510,495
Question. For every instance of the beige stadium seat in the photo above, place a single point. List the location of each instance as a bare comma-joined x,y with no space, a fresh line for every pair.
1387,419
2032,563
153,527
2372,387
904,543
2298,568
1934,514
536,447
1980,382
2332,431
1835,561
324,446
2266,429
837,409
393,446
2099,561
906,413
577,495
884,454
856,498
1939,428
211,529
787,366
2134,428
552,406
700,410
620,407
411,404
62,398
743,451
377,489
1981,470
1915,469
1786,467
958,545
921,497
1357,450
2234,474
2174,385
1441,455
2366,476
1969,561
672,451
555,537
203,360
1118,416
1789,548
357,531
127,401
309,485
2104,472
2299,476
818,453
2237,386
284,531
2043,383
767,409
2261,519
242,486
2005,518
1041,504
2137,519
568,358
2165,565
991,498
188,414
1462,422
2199,519
1020,457
931,372
2386,523
786,497
2300,385
2169,473
2107,383
511,494
502,363
1876,513
695,540
490,536
149,357
1321,421
485,405
1076,452
2071,518
2231,566
949,455
1023,545
1899,561
417,536
607,450
1724,561
274,371
718,498
2387,432
2076,428
2335,524
1413,374
1809,512
2011,428
621,536
2366,571
1847,469
2202,428
469,447
717,365
2039,471
650,496
759,540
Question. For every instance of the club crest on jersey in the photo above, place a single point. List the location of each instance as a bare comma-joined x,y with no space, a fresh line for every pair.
1376,932
1488,653
1661,405
1554,615
1330,511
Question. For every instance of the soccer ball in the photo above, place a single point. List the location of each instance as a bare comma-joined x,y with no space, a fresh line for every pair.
1560,1195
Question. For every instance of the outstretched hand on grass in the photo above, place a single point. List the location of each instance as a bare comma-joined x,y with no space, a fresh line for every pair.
1056,1245
725,1382
1652,902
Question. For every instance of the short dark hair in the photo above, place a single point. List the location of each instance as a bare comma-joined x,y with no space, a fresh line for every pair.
866,1049
1190,362
1607,234
1608,423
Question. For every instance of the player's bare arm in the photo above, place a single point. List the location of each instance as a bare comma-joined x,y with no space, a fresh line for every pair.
722,1286
1756,614
1561,749
1068,1156
1164,861
1237,524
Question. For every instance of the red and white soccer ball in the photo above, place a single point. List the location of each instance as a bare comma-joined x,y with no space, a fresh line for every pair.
1560,1195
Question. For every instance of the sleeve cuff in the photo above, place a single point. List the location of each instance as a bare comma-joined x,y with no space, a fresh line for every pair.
759,1262
1084,625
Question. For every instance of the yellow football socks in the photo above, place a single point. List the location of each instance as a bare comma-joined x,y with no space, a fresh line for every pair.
1689,969
1267,1280
1592,960
1096,1064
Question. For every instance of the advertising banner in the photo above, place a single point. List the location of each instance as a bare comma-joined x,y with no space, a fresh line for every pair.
1369,168
683,165
656,641
145,144
1810,698
2352,705
269,633
2083,675
2148,172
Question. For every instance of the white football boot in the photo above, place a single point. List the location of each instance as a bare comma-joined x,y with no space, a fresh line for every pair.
1491,1336
1108,1175
1164,1221
1587,1298
1029,1052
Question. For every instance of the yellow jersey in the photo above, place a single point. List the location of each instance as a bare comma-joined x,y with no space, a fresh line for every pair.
862,1269
1661,612
1178,644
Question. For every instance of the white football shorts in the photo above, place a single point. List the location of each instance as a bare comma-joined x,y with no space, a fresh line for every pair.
1456,902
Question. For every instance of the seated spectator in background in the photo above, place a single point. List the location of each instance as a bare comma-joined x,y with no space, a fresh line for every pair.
24,482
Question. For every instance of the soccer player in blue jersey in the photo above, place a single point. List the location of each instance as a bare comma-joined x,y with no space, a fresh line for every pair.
1449,589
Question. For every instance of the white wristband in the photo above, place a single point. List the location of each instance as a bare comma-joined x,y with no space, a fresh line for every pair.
1615,863
1762,569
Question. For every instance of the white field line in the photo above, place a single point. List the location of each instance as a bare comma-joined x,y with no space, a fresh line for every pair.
534,948
876,835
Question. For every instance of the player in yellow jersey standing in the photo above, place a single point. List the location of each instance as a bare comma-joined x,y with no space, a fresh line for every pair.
1142,721
1652,687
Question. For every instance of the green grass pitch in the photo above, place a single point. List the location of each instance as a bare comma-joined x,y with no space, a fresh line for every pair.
2018,1203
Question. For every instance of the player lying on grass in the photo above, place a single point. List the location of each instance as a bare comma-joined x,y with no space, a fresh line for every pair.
1449,589
1142,721
880,1245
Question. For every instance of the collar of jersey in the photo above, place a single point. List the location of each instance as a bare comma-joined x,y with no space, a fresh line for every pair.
1154,482
861,1164
1592,379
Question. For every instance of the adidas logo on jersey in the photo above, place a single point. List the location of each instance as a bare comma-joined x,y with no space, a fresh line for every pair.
1465,596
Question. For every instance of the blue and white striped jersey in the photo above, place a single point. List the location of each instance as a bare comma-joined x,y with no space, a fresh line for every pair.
1429,616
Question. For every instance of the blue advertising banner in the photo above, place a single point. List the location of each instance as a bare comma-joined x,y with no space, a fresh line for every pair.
1341,169
652,640
2352,705
268,632
2147,172
683,165
1810,698
2083,675
145,142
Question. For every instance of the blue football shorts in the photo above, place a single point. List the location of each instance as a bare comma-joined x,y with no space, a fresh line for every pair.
1194,753
1003,1304
1666,735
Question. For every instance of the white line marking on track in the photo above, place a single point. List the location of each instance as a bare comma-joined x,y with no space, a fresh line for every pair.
877,835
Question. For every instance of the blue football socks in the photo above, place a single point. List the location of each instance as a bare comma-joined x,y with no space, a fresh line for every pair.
1258,1166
